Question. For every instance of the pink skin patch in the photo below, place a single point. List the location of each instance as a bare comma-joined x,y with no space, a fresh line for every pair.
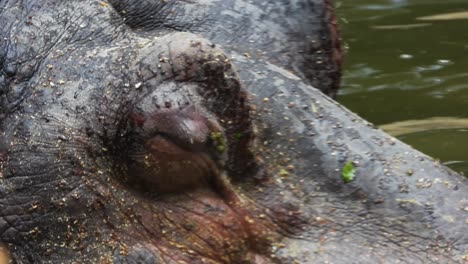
4,255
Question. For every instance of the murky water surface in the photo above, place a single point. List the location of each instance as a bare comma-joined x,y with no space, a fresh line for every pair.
402,64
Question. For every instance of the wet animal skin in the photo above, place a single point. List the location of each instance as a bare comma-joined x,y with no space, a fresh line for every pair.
191,132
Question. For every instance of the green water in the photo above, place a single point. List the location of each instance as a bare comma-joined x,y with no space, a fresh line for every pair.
400,68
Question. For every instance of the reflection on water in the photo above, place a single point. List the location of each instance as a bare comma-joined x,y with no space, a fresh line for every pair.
443,144
408,60
448,16
435,123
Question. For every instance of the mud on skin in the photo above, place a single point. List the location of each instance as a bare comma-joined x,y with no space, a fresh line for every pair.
138,132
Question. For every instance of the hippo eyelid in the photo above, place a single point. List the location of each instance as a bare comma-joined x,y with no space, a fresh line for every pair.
173,138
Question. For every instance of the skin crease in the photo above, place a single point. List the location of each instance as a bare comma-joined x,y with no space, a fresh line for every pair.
89,89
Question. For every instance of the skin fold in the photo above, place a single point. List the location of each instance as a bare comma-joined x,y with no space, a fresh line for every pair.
194,132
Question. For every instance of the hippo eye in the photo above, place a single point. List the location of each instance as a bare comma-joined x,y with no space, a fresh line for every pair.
173,150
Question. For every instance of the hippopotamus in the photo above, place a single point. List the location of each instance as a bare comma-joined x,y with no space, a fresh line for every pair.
185,131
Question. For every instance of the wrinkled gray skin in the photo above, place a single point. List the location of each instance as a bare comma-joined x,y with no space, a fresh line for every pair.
79,81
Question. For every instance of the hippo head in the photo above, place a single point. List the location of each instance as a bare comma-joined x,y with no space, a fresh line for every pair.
139,150
127,139
131,145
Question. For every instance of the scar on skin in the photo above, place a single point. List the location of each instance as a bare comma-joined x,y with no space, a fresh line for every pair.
4,255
